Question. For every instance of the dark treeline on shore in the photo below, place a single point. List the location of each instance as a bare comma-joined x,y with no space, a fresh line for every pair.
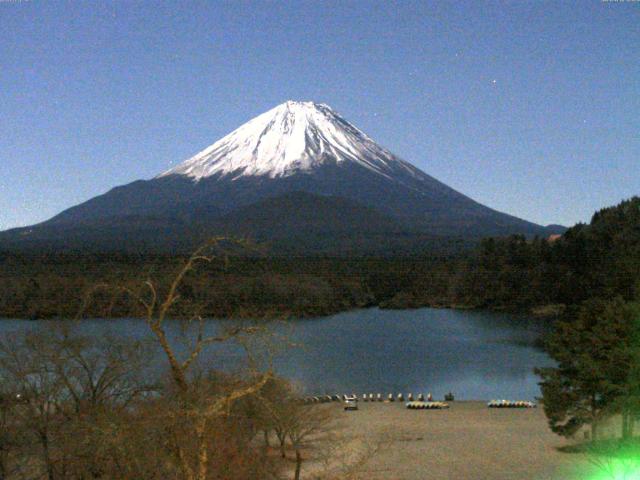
601,259
598,260
51,286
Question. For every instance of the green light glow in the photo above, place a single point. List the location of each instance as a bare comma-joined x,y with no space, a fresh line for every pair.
622,468
617,473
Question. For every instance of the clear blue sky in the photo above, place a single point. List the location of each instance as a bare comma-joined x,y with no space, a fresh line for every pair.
532,108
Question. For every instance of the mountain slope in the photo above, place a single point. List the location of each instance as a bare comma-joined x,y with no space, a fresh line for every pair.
293,223
295,147
301,212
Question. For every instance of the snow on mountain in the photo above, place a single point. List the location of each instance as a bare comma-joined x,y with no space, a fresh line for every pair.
294,137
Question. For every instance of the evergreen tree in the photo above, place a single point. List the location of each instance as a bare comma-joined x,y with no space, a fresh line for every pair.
627,403
594,347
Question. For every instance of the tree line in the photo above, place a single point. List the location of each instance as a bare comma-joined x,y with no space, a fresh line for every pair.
596,341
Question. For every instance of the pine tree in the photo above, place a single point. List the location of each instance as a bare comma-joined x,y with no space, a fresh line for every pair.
594,347
627,403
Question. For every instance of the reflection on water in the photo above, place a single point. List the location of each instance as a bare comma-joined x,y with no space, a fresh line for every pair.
475,355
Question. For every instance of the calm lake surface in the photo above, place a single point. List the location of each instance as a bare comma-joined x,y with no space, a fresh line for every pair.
475,355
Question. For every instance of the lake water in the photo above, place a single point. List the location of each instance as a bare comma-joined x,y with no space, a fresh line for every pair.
475,355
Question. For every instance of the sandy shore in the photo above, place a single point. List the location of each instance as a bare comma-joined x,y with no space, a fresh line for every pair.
467,441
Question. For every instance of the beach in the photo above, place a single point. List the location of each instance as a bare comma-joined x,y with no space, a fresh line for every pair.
466,441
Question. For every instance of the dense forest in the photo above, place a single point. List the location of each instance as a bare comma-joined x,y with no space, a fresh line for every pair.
594,270
57,286
600,259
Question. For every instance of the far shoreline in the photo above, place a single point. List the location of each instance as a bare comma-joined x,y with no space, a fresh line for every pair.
543,312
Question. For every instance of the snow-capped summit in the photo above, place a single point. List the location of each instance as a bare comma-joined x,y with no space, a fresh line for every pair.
290,138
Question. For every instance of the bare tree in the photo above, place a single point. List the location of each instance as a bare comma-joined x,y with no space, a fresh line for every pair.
307,424
277,402
101,376
62,388
9,434
28,373
196,407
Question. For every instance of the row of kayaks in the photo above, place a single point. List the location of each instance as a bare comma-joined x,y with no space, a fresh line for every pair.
420,403
510,404
324,399
368,397
427,405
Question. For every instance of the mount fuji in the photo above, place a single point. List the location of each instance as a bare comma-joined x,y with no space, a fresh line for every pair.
299,175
